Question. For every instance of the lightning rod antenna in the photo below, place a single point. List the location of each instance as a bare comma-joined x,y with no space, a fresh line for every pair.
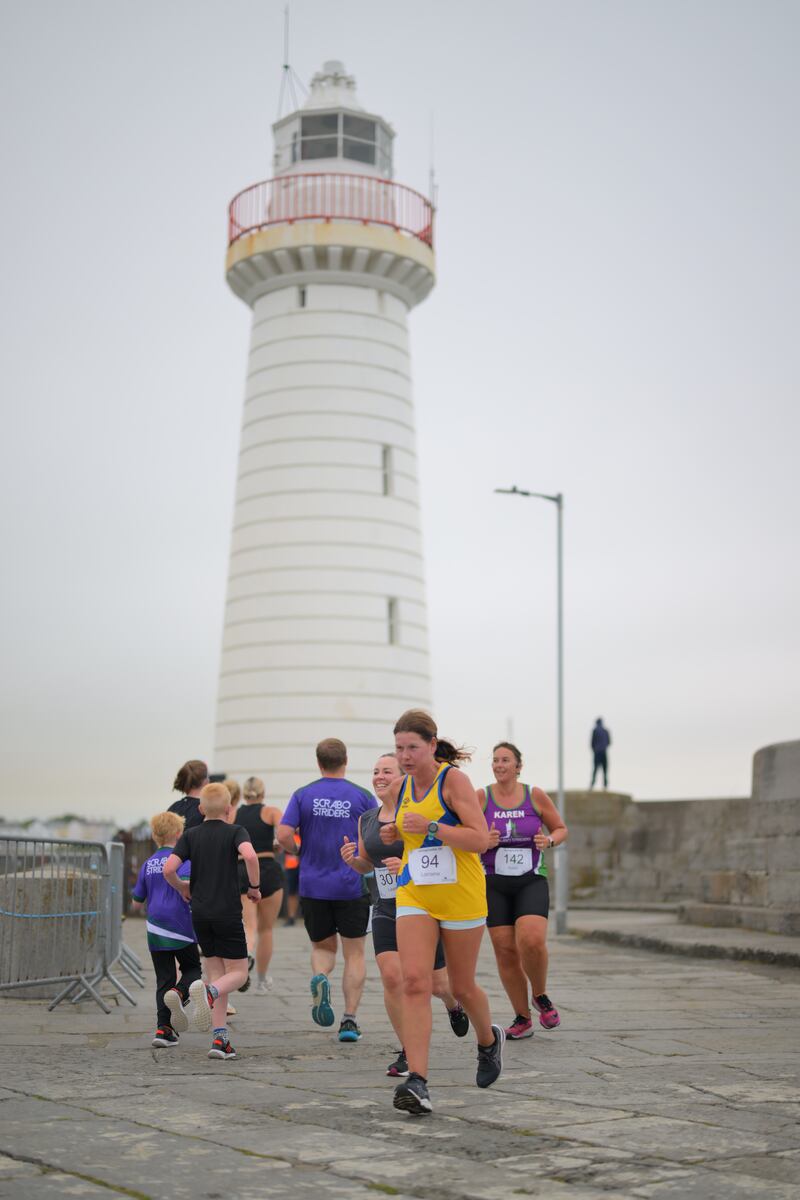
289,76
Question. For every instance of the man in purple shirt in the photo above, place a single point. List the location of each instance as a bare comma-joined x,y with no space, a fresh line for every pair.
324,813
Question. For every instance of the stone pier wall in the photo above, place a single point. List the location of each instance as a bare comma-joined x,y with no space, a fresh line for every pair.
725,861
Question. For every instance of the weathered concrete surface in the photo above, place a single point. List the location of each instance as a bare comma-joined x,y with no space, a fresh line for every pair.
665,932
668,1077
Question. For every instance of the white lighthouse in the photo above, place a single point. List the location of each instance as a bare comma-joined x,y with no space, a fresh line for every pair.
325,624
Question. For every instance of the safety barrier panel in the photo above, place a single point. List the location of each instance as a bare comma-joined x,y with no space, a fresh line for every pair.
61,917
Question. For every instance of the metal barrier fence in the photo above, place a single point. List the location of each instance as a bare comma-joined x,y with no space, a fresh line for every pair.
61,918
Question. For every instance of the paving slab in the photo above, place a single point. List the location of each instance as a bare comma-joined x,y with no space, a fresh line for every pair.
669,1076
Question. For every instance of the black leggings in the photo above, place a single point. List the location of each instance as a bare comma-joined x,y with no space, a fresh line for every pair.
167,975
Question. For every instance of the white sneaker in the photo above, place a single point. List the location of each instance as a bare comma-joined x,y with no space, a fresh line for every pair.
178,1018
199,1013
263,986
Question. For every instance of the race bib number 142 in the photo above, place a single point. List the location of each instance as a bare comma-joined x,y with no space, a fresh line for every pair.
513,861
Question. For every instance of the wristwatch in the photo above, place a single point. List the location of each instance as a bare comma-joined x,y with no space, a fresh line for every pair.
433,828
253,887
551,842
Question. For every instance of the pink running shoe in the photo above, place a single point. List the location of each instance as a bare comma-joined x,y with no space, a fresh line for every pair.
520,1027
548,1015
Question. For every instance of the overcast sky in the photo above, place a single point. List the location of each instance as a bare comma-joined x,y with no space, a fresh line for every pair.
615,318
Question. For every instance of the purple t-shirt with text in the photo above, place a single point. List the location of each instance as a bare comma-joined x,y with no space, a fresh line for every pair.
169,918
324,813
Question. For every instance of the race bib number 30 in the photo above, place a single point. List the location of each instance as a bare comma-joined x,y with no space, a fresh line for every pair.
513,860
434,865
387,883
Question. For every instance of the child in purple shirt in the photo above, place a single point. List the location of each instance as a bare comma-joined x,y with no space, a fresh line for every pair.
170,935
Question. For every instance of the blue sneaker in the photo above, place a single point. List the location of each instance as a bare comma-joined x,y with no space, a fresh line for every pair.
321,1011
349,1031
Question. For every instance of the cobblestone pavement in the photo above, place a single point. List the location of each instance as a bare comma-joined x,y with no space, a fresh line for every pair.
668,1077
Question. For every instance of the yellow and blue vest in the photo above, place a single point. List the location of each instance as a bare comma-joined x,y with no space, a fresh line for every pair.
464,900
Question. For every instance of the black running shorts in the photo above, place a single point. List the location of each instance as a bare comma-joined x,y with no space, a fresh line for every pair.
513,896
220,937
384,932
270,874
324,918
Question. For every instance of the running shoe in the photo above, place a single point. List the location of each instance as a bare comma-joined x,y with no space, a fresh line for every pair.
174,1002
165,1037
459,1021
349,1031
250,964
548,1014
321,1011
490,1060
263,986
200,1004
399,1066
221,1048
230,1011
521,1027
411,1096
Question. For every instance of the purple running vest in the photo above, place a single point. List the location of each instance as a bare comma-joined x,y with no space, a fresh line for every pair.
518,827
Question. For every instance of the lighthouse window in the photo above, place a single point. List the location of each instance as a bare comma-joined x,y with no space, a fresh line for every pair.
393,624
320,124
359,139
386,469
357,127
359,151
319,147
320,136
340,135
384,151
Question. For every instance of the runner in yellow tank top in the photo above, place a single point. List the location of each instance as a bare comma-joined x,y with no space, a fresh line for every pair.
441,890
463,899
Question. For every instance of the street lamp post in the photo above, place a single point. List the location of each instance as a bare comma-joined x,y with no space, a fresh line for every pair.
562,874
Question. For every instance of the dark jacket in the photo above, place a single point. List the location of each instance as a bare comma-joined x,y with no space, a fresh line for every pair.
601,739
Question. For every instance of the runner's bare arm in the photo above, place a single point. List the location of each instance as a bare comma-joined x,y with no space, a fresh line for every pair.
459,795
284,836
355,855
551,819
171,865
389,832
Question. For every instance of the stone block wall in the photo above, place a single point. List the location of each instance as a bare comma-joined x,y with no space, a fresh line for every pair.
725,861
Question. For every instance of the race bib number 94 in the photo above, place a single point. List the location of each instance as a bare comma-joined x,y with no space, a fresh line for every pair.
513,861
434,865
387,883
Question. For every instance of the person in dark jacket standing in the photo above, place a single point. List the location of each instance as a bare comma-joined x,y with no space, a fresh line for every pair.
601,740
191,779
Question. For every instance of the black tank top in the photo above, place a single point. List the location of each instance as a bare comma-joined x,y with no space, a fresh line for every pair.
188,807
261,835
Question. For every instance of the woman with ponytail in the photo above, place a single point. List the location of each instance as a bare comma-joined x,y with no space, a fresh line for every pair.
190,780
441,891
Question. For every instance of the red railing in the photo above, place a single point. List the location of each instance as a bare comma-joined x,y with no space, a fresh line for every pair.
330,197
